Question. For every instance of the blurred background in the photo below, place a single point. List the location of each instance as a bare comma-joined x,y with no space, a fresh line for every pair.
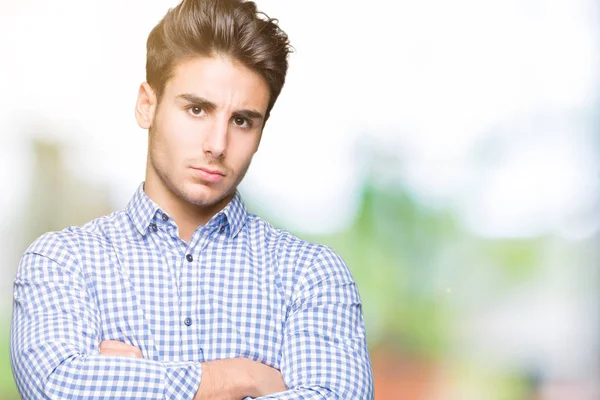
449,151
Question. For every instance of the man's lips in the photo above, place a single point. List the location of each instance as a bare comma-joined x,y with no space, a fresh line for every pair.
209,175
210,171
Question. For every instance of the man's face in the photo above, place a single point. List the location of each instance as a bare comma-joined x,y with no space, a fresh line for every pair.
205,131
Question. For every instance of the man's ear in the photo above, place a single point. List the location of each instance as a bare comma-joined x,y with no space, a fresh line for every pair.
145,107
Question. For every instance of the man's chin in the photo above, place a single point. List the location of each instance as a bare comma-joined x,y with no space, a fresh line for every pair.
201,199
203,196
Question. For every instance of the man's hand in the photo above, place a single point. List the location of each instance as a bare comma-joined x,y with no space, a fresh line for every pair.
237,378
264,379
116,348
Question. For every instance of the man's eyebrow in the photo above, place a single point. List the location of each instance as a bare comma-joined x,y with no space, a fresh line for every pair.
250,114
201,101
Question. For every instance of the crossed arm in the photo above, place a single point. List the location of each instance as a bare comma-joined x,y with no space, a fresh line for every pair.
221,379
56,352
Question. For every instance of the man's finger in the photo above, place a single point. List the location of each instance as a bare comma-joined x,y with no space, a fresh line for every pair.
113,344
115,347
121,353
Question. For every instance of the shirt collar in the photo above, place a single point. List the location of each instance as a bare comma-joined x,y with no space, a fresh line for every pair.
236,214
142,211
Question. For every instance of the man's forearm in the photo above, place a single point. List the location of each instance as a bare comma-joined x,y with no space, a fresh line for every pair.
99,377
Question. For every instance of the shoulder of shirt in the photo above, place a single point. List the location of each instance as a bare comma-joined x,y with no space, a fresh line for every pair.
281,242
298,256
70,240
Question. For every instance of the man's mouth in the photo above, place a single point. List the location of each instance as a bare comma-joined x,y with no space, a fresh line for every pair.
209,175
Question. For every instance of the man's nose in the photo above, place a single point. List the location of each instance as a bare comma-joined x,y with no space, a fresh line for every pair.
215,142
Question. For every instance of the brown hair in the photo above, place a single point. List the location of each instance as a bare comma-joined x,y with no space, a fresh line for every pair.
234,28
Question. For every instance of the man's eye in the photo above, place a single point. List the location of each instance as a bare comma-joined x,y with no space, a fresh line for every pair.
196,111
241,122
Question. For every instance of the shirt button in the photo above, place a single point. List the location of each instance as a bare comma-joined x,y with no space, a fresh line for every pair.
165,217
187,321
189,258
222,229
153,227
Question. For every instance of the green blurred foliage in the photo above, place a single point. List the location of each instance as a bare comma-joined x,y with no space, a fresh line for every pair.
391,250
8,389
516,258
404,256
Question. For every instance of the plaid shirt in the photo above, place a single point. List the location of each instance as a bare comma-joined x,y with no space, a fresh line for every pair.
239,288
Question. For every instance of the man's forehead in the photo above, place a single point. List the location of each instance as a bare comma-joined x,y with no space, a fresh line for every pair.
218,81
214,68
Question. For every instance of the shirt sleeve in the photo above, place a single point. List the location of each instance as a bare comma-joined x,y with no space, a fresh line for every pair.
55,337
325,352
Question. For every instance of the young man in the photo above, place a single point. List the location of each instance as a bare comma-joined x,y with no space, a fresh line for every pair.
183,294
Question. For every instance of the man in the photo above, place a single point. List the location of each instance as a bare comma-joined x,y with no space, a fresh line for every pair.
183,294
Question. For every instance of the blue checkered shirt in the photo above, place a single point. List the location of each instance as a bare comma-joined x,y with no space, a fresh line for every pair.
239,288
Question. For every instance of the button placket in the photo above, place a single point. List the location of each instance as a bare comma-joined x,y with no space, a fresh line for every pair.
192,313
189,314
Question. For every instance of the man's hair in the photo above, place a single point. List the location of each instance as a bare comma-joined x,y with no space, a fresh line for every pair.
233,28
